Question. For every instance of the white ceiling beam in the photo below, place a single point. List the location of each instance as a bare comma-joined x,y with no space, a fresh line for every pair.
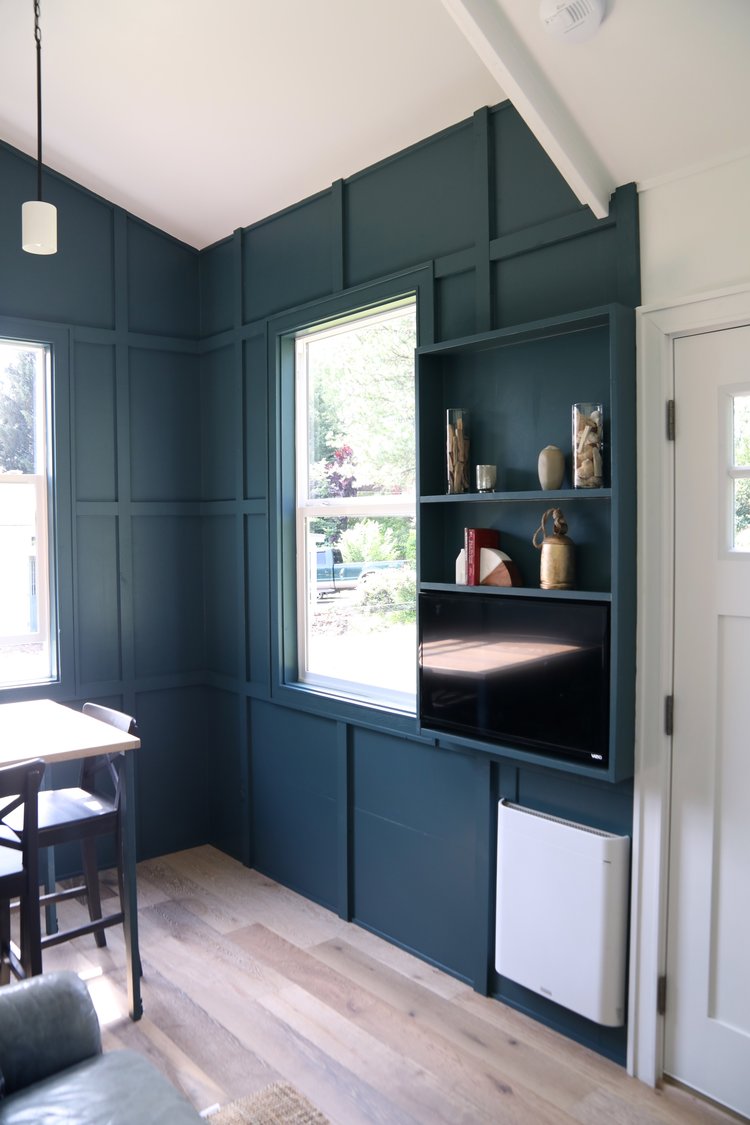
503,52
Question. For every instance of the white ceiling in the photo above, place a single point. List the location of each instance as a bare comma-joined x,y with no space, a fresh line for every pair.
203,117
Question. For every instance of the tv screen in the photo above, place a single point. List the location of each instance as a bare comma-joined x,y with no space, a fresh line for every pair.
526,673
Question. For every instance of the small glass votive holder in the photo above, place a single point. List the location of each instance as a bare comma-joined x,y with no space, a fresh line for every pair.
486,478
587,441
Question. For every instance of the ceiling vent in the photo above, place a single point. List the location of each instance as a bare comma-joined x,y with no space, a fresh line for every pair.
573,21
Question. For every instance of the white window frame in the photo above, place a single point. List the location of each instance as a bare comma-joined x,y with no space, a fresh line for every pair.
42,483
734,472
306,509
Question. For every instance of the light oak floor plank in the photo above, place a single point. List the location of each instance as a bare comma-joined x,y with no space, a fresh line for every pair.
247,983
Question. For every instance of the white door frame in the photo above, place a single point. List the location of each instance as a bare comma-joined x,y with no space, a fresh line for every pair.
657,329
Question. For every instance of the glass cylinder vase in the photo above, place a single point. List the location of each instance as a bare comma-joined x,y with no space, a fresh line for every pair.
588,442
457,449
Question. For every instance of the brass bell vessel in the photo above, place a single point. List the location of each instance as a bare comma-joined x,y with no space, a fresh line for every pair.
558,553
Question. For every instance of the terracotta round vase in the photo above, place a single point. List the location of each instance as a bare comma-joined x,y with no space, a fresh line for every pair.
551,467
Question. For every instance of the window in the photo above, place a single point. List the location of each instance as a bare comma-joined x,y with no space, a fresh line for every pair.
739,471
355,505
28,650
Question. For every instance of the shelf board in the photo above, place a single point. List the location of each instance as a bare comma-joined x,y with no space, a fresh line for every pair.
546,329
531,496
582,768
518,592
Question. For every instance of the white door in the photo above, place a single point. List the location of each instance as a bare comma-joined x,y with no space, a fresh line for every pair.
707,1025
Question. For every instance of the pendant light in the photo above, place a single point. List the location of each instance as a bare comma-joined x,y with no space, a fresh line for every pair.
39,219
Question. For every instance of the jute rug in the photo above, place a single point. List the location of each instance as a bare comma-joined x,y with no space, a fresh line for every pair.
279,1104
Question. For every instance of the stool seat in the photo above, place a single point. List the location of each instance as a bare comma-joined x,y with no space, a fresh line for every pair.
75,808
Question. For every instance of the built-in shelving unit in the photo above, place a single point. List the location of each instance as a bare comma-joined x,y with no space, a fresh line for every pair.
518,385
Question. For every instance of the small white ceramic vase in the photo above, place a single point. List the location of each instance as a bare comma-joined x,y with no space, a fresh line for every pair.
551,467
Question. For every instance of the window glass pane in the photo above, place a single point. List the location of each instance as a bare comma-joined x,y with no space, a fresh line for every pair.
362,603
742,514
356,538
741,428
360,382
26,652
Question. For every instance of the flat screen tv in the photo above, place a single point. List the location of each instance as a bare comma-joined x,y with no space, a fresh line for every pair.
525,673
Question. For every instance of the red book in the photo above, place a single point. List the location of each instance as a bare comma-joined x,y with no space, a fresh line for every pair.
474,539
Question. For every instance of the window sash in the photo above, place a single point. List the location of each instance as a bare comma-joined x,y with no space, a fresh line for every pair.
308,508
402,505
733,472
41,481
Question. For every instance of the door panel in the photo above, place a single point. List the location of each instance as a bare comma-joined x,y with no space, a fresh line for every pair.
707,1027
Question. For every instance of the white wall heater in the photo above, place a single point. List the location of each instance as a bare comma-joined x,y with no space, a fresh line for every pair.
562,911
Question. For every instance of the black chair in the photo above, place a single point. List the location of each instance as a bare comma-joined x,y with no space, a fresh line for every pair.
19,869
85,814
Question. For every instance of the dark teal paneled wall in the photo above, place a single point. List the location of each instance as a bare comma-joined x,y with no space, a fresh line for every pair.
414,844
162,284
291,254
120,301
419,207
347,805
294,764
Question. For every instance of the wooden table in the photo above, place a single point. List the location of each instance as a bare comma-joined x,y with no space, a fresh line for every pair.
43,729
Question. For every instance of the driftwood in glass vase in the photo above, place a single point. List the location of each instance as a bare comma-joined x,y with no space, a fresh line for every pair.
457,455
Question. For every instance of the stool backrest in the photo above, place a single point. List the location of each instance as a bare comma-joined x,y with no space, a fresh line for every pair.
108,715
107,763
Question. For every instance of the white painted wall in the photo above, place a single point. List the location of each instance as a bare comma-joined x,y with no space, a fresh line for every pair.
695,233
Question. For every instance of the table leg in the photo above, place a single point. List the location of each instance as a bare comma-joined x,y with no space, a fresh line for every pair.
130,902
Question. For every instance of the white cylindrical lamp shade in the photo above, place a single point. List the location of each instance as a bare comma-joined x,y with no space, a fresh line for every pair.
39,227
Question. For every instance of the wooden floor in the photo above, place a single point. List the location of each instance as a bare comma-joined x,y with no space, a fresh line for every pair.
246,983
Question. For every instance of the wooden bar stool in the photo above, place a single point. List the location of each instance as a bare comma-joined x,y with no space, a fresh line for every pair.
83,814
19,868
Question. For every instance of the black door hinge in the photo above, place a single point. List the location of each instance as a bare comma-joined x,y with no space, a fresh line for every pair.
661,995
670,419
669,714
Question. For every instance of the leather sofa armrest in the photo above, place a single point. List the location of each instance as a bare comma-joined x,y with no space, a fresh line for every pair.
47,1023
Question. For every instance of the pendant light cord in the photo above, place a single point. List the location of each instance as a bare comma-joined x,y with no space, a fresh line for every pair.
38,40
